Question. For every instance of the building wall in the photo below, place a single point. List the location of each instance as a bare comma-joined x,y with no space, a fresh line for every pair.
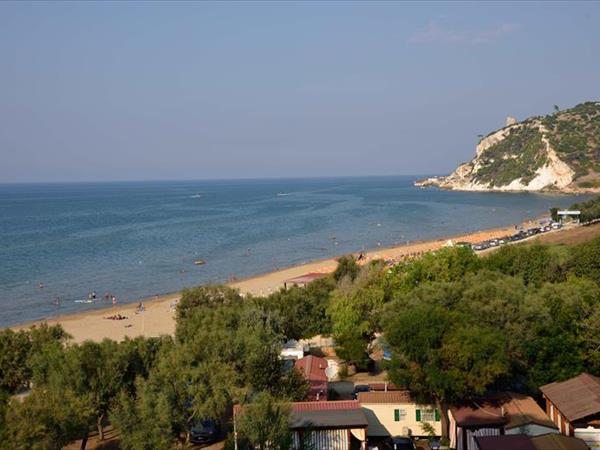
590,435
322,440
457,435
396,419
531,430
564,426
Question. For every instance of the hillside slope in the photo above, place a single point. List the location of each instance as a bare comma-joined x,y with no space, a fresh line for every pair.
559,152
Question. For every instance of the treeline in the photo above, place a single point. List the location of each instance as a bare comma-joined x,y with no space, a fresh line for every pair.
590,210
457,325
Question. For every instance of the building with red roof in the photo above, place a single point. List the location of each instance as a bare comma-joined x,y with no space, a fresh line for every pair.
314,370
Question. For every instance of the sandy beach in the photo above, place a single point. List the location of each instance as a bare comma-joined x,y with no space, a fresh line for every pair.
158,317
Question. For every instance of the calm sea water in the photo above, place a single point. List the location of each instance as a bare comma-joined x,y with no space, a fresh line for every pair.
139,239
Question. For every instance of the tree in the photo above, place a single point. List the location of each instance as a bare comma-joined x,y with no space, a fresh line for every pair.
535,263
293,386
19,353
146,421
447,264
302,309
46,420
556,108
440,356
264,425
563,342
14,351
211,295
94,370
347,267
585,260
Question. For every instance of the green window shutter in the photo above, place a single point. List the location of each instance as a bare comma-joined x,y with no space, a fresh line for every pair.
396,415
437,415
418,415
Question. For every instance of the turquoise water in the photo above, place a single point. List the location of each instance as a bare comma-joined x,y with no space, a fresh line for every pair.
138,239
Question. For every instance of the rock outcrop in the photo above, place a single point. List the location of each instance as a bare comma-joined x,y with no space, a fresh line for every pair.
559,152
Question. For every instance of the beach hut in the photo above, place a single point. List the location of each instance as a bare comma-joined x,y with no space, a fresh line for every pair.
569,215
574,406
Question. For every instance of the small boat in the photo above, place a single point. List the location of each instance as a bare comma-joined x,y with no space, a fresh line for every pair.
85,300
199,262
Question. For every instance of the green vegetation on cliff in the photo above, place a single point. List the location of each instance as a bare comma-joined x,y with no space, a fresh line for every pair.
519,155
575,135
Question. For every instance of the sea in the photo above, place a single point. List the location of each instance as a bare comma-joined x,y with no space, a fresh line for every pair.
140,239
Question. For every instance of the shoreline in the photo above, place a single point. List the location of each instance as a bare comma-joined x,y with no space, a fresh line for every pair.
159,319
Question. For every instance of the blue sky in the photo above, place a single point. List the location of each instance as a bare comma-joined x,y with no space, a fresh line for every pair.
126,91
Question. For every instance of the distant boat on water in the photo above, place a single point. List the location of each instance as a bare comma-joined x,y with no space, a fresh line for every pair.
199,262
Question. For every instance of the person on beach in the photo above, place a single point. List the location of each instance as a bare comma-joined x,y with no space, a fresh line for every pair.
57,301
114,300
106,295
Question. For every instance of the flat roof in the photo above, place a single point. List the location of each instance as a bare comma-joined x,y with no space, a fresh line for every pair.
351,418
568,213
331,414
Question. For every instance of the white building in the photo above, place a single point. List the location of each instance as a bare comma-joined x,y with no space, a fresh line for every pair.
396,413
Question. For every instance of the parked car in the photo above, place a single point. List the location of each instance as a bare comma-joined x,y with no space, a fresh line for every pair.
556,225
205,432
402,443
360,388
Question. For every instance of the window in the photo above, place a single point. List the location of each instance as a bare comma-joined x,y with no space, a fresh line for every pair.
426,415
399,414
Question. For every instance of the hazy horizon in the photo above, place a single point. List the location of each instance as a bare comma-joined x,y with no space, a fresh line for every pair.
162,91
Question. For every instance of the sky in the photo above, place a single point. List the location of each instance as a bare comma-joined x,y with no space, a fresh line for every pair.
147,91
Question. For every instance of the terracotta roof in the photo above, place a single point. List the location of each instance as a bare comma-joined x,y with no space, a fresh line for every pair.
553,441
512,442
507,409
391,397
383,387
312,367
338,405
576,398
306,278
